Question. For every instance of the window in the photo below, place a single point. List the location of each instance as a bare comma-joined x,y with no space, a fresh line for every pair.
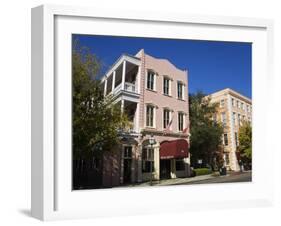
248,108
242,106
150,83
236,139
180,165
166,86
227,159
239,119
180,121
180,91
147,160
222,103
225,139
233,102
166,118
215,117
149,116
237,104
127,152
223,118
234,118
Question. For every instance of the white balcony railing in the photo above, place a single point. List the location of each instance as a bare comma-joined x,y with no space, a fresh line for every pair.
130,87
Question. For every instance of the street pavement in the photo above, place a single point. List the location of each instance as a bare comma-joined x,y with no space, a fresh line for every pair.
230,178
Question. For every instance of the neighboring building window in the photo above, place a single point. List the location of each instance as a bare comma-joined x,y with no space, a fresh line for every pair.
244,118
222,103
215,117
234,118
236,139
239,119
180,165
127,152
223,118
233,102
180,91
248,108
149,116
180,121
227,159
225,139
147,160
249,118
150,80
166,118
242,106
166,86
238,104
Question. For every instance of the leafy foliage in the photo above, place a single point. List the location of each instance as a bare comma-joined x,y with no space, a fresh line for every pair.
205,133
245,142
96,119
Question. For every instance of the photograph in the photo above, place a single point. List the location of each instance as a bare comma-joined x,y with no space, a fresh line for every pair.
160,112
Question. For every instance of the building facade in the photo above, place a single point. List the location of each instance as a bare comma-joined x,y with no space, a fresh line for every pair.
234,109
154,95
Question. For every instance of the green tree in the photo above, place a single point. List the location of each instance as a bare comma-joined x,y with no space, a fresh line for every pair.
206,133
245,142
96,119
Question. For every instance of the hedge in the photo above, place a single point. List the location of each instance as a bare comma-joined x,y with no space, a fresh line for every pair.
202,171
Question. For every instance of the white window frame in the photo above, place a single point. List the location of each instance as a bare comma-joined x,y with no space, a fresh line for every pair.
166,77
154,116
182,87
183,121
154,80
163,116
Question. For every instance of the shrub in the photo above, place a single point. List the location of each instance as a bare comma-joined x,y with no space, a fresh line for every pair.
202,171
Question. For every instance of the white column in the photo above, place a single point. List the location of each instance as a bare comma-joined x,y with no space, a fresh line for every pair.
157,162
137,118
113,81
138,77
123,75
105,87
122,105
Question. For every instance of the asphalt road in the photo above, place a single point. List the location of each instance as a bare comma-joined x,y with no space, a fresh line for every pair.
241,177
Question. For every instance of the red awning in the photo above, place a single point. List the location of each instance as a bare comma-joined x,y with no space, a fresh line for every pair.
174,149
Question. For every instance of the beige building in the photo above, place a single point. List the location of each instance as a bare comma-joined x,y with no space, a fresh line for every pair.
233,110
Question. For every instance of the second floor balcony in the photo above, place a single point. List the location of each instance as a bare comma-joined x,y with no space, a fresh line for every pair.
123,79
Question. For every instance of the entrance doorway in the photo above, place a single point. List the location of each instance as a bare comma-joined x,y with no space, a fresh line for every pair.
165,169
127,164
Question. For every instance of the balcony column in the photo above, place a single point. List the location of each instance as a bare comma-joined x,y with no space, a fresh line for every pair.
122,105
113,81
123,75
137,118
138,77
105,87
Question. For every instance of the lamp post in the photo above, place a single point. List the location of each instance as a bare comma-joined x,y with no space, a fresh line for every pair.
151,142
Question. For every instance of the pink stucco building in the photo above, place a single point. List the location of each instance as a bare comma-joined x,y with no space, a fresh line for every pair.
154,94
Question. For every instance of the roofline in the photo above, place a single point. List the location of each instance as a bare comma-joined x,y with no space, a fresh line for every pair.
114,66
233,92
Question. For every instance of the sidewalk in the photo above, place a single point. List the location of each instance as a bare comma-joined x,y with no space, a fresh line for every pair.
176,180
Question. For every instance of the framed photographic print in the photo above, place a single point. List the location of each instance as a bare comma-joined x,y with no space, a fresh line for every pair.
136,113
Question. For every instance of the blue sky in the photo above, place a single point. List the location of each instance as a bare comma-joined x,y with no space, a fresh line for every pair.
211,65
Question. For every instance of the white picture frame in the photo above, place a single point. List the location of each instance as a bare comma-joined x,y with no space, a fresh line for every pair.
52,197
